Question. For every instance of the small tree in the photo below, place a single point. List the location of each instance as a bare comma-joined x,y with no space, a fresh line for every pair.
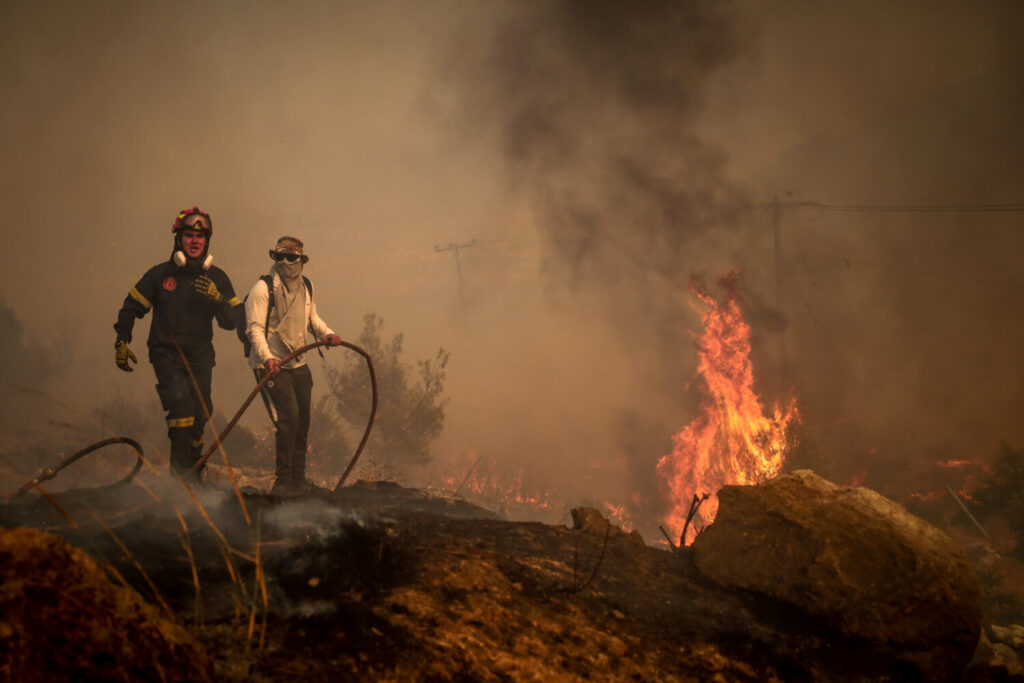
410,410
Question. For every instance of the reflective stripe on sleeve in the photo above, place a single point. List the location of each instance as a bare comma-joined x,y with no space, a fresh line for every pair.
195,443
234,301
137,295
180,422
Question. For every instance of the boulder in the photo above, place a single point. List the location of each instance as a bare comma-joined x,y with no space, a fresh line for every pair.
63,620
1012,635
854,560
591,520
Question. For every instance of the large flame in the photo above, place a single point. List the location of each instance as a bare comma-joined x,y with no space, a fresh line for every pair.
732,441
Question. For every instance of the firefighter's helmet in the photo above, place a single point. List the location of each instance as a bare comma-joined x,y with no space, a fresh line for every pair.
193,219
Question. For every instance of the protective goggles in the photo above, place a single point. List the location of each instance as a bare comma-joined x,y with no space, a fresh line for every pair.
194,220
290,258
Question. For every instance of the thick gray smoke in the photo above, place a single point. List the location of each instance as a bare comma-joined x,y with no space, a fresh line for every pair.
595,105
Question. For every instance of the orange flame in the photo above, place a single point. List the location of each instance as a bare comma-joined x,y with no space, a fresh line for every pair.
490,482
732,441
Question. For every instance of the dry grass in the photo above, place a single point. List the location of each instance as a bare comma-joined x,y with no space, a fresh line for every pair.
251,602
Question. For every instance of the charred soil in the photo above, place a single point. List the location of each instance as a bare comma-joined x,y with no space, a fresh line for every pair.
380,582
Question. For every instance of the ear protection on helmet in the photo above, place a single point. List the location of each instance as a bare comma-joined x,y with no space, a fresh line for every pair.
180,260
192,219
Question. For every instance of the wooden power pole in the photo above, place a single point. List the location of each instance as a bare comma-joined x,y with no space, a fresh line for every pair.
455,249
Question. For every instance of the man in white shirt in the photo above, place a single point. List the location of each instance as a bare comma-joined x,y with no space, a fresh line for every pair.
280,310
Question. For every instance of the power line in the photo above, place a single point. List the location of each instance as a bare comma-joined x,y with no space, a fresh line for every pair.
910,208
776,207
922,271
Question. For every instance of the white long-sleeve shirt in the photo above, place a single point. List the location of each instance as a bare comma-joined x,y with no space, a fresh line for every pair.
262,332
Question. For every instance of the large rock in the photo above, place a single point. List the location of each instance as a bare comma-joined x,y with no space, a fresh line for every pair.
852,558
61,619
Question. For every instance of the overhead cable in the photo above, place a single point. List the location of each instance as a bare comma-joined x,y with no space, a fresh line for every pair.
921,208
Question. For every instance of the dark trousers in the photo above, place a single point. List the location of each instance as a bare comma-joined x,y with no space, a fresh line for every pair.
183,401
290,392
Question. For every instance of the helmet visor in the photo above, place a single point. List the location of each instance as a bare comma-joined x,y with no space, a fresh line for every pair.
194,221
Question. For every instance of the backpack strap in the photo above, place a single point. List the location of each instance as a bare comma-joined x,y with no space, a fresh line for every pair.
242,327
268,280
309,288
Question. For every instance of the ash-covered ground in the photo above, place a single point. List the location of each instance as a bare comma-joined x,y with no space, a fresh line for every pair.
379,582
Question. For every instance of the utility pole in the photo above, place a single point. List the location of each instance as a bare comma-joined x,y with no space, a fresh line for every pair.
775,208
777,228
455,248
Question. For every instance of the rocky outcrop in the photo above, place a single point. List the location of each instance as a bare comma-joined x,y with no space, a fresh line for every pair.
853,559
591,520
63,620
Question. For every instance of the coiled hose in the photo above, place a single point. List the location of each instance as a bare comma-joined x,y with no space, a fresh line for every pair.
51,472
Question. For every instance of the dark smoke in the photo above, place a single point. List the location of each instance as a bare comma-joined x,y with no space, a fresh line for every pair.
595,106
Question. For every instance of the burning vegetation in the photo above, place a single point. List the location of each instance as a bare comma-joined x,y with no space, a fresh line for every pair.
732,441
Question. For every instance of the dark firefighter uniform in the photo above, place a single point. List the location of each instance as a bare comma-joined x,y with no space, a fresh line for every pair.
181,344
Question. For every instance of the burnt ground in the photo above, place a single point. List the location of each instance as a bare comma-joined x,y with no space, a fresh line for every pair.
376,581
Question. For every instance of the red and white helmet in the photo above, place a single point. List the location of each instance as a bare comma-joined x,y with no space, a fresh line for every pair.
193,219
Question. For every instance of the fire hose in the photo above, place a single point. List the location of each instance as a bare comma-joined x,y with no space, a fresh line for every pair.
267,376
51,472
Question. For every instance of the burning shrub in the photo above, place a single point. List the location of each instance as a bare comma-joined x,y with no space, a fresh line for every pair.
410,413
735,439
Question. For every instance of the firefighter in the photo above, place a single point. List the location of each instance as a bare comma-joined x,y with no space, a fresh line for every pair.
186,293
279,310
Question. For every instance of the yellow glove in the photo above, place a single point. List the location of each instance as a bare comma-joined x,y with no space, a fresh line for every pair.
122,354
205,286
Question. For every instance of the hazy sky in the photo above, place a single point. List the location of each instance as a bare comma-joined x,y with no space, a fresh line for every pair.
599,153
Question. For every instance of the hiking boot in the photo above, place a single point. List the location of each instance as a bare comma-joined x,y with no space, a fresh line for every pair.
194,480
